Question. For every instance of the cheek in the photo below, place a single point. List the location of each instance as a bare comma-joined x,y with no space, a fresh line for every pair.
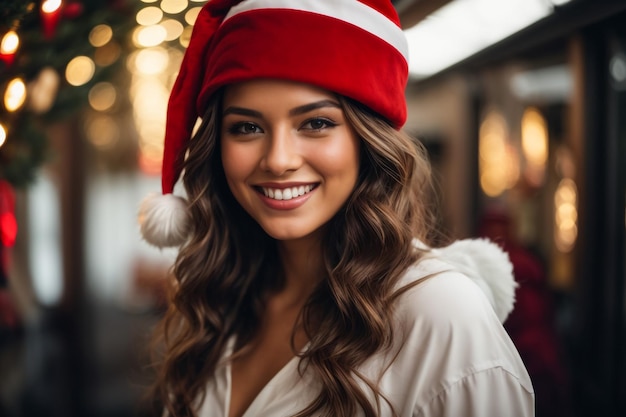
235,163
343,158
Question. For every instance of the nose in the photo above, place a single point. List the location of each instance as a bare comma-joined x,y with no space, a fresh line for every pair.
281,153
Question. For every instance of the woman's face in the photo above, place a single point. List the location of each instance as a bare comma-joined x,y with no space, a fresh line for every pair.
290,157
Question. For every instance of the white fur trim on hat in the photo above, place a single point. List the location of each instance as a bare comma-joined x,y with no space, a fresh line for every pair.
164,220
487,265
353,12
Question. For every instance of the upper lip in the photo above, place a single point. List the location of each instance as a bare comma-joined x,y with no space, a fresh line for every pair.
283,185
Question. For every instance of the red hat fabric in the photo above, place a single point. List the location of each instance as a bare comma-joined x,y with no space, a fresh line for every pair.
354,48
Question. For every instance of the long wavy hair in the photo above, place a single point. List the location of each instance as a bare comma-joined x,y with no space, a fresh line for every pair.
229,265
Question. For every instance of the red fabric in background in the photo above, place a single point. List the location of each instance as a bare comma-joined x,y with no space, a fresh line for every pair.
531,324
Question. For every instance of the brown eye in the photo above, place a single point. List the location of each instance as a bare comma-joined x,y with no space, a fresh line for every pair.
318,124
244,128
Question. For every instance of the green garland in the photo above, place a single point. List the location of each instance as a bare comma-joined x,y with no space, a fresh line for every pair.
12,11
26,147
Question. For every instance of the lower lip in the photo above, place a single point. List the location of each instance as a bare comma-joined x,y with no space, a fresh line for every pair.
292,204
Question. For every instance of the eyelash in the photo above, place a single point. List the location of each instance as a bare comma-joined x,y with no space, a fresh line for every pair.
327,123
236,129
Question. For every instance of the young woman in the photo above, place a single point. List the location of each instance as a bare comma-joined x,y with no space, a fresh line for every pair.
304,283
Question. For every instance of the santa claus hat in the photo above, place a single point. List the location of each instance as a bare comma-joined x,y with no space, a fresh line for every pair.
353,48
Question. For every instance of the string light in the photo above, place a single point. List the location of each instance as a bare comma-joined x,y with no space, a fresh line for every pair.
173,29
3,135
498,161
80,70
565,215
173,6
50,6
15,94
10,43
192,15
100,35
149,16
8,46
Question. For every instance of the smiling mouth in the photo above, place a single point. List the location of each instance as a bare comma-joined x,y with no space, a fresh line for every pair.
283,194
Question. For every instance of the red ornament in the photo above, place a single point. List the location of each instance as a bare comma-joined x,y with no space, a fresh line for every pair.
7,58
73,10
9,44
50,12
8,224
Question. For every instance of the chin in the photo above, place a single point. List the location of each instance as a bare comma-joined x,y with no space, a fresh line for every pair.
290,234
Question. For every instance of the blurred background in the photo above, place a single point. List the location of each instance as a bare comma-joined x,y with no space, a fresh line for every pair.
520,103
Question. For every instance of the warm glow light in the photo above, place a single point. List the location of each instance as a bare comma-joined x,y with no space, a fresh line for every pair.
173,29
10,43
102,96
565,215
100,35
149,101
102,131
174,6
534,137
498,160
80,70
3,135
42,91
147,36
192,15
151,61
185,37
15,94
149,16
107,54
50,6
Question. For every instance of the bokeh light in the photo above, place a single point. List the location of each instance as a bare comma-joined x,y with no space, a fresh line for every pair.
15,94
102,131
50,6
498,160
100,35
3,134
80,70
146,36
565,215
173,29
149,16
174,6
192,15
151,61
10,43
102,96
107,54
185,37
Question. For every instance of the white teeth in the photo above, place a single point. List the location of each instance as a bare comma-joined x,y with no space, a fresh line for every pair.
286,193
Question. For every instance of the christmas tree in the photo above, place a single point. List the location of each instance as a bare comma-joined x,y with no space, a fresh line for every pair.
52,53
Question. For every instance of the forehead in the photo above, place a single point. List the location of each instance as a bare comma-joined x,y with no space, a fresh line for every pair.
265,91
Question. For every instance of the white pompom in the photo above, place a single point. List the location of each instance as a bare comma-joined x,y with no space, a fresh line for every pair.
164,220
487,265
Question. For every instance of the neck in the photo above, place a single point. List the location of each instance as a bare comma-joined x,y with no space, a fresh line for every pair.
303,267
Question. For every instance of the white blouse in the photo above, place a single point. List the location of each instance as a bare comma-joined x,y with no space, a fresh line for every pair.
454,359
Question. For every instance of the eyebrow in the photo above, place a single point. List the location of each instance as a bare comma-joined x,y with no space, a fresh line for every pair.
293,112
